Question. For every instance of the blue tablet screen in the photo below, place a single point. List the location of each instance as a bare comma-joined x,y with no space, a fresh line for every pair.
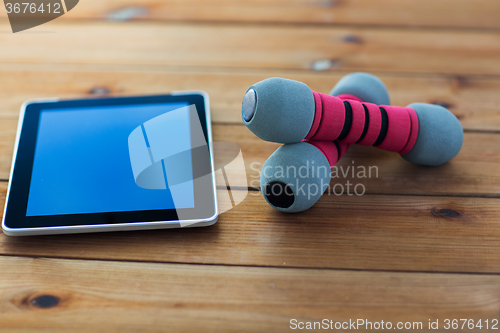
82,161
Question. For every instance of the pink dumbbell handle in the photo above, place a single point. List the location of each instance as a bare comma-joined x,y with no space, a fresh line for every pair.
333,150
347,119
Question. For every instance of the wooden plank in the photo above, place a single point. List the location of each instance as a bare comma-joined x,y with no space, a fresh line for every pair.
7,138
270,47
408,13
129,297
474,101
375,232
474,172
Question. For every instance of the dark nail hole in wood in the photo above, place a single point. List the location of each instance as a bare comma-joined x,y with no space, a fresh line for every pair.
443,104
352,39
45,301
328,3
446,213
99,91
459,82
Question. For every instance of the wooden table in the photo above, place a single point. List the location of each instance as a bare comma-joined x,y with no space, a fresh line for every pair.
422,243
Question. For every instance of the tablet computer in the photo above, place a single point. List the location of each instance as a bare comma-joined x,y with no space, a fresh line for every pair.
108,164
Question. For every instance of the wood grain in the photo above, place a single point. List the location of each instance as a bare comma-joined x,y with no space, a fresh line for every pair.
129,297
349,256
407,13
474,172
256,47
475,101
7,140
374,232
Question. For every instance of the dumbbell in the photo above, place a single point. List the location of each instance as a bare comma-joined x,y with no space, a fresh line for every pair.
296,175
287,111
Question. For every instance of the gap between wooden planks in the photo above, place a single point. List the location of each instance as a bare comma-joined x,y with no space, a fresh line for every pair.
130,297
475,101
409,13
473,172
371,232
264,47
